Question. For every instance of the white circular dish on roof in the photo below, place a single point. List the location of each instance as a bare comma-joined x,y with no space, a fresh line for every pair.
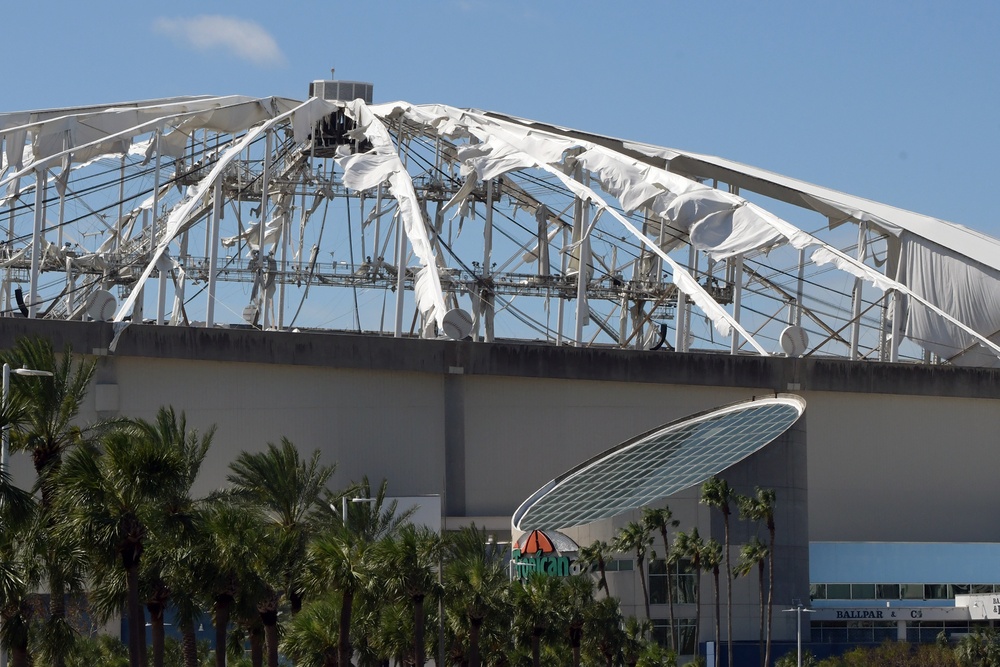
671,458
102,305
794,340
457,324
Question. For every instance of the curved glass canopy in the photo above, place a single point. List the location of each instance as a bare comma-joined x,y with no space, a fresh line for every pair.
654,465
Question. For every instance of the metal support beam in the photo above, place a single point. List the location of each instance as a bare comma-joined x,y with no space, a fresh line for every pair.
215,221
264,186
41,177
486,308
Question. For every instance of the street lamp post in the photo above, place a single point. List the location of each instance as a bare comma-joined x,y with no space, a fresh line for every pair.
5,447
343,506
5,436
798,608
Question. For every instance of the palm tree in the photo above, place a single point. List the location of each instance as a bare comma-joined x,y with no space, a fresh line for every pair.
760,508
181,565
636,631
604,634
597,555
409,562
660,519
311,639
339,561
634,537
578,596
692,547
717,493
47,432
711,559
339,557
169,432
111,498
753,554
19,574
389,631
227,559
287,490
535,607
476,583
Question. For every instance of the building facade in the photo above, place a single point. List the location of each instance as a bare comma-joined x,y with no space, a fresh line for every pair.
897,454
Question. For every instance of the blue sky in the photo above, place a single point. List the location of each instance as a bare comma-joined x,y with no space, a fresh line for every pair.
894,101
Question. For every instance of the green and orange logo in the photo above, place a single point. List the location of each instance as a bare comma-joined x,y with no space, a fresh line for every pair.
537,552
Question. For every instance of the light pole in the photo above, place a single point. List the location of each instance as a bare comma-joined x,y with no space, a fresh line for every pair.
798,608
343,506
5,437
24,370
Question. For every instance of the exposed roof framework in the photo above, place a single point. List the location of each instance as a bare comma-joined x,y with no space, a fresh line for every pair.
430,220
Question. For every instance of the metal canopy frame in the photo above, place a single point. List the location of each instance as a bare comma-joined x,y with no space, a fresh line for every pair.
509,250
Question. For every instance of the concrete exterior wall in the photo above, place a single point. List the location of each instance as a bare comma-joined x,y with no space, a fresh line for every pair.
896,452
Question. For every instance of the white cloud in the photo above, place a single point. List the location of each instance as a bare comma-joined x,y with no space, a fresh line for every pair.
244,39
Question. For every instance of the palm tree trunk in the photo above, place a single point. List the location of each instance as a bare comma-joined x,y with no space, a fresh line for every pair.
156,629
575,639
418,628
47,464
344,650
729,592
697,610
256,647
670,589
136,628
221,627
57,611
476,626
770,594
18,650
715,577
760,593
295,601
645,591
19,656
536,648
271,638
604,579
189,644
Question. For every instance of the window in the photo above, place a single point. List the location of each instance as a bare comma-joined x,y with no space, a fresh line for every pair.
829,632
896,591
685,634
854,632
683,582
936,592
887,591
862,591
619,565
928,631
838,591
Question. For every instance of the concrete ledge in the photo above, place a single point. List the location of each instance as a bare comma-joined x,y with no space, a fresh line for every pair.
383,353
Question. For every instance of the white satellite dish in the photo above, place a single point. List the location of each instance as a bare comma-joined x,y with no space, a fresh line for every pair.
794,340
457,324
102,306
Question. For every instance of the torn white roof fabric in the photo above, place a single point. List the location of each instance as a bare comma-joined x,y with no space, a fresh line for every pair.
646,202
